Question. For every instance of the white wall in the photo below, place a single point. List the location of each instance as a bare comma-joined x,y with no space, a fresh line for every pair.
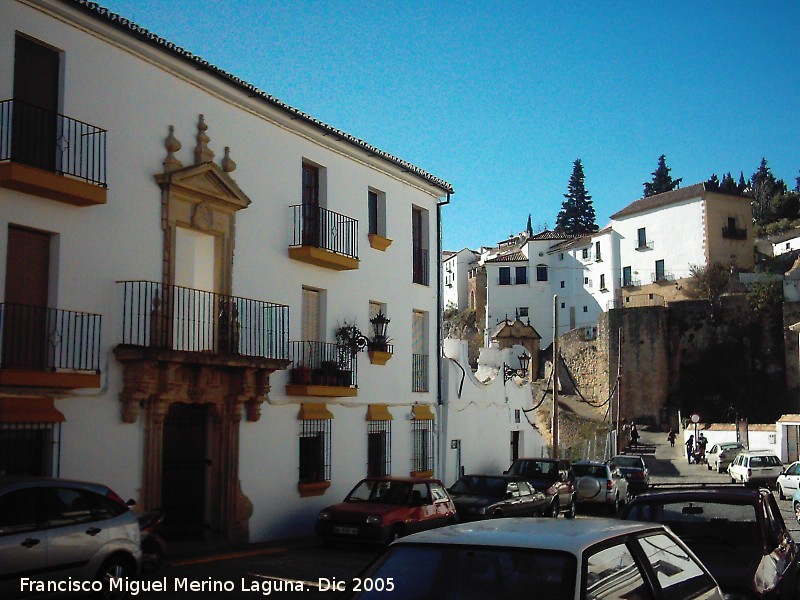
108,83
482,416
677,234
786,246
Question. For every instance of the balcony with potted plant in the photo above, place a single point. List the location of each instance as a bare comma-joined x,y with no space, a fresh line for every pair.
322,369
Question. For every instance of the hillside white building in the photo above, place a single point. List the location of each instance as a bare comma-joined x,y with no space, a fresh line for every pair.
455,269
637,259
179,254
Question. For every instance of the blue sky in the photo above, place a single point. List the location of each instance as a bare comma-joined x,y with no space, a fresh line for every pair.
499,98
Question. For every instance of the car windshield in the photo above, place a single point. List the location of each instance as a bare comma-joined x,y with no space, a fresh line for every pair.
466,573
382,492
717,522
629,462
535,469
494,487
599,471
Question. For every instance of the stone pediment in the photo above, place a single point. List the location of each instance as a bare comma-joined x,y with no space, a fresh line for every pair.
208,182
515,330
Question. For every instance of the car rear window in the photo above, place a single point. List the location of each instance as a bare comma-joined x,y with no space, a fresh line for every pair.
534,469
765,461
494,487
599,471
465,573
629,462
703,521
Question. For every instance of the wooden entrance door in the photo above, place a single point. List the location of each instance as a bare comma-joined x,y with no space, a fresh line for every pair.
184,471
34,130
25,305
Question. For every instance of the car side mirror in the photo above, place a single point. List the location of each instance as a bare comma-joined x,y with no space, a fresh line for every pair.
505,472
509,495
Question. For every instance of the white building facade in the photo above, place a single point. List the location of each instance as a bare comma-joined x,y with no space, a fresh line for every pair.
180,254
455,275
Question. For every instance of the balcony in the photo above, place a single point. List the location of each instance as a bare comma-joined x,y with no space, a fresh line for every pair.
51,155
662,276
324,238
420,266
322,369
196,346
49,348
734,233
644,245
419,373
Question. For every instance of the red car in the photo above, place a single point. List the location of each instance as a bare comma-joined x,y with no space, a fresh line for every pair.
382,509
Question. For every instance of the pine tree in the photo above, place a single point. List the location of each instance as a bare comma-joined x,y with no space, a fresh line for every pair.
662,181
577,212
764,187
529,227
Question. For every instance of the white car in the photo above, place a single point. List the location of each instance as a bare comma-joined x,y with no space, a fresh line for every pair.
578,559
721,455
789,481
64,536
760,467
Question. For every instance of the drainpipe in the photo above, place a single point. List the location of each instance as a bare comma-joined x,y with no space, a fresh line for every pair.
440,342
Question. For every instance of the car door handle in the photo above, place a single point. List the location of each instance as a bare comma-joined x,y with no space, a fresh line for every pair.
93,531
30,542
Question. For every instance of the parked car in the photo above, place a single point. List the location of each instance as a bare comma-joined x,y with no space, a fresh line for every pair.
59,530
581,559
492,496
788,482
737,532
551,476
721,455
760,467
382,509
634,470
600,483
796,505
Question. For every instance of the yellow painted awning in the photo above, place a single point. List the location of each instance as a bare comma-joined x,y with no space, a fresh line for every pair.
29,409
378,412
314,410
422,412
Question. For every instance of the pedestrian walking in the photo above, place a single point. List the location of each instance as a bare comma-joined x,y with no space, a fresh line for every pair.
671,438
634,434
689,448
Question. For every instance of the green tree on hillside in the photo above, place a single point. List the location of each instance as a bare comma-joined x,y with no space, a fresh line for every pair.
764,188
662,180
577,212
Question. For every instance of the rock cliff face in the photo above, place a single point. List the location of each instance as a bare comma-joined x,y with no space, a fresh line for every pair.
675,358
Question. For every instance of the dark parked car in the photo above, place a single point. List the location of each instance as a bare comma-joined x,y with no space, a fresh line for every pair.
551,476
737,532
61,530
634,470
491,496
382,509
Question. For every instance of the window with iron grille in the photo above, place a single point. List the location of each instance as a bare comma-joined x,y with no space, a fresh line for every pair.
30,449
379,448
315,450
422,459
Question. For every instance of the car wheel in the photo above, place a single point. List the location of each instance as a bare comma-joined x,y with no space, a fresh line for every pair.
614,508
797,511
554,509
718,467
781,495
116,567
570,514
498,514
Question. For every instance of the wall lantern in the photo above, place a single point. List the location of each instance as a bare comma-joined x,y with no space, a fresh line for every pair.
524,362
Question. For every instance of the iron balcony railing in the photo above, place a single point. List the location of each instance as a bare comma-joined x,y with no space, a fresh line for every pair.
322,228
420,267
323,363
734,233
51,141
42,338
419,373
180,318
